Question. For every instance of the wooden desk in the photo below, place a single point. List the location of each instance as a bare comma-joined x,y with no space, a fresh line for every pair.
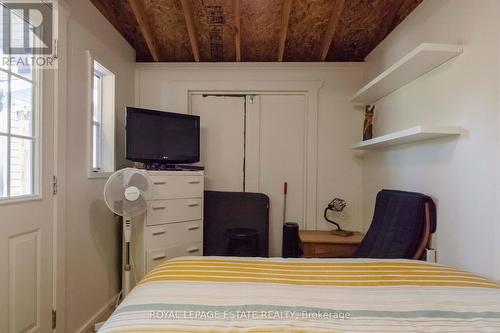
322,244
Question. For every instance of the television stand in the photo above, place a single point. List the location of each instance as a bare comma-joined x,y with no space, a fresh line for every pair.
172,167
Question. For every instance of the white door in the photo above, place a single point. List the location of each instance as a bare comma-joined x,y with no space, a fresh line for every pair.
26,252
275,155
222,140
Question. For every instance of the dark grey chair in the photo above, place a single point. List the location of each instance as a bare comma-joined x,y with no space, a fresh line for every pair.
401,226
228,211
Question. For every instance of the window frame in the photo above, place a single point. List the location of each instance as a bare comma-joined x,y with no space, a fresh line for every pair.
107,116
97,167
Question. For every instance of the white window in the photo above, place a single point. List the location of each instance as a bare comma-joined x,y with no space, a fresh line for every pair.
19,112
102,155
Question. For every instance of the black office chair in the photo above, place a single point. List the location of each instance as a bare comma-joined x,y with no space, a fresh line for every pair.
401,226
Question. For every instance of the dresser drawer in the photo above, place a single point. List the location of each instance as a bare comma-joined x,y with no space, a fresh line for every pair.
176,187
174,210
156,257
160,236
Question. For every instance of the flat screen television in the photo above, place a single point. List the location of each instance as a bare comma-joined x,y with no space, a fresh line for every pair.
162,137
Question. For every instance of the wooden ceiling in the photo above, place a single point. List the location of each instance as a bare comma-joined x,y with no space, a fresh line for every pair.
254,30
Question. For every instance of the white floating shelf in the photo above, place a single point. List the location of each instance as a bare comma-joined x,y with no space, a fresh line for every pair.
414,134
421,60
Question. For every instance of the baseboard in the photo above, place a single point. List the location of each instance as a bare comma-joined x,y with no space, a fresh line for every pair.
89,325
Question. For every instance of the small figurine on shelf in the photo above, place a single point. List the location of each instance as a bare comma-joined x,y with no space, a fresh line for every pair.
368,125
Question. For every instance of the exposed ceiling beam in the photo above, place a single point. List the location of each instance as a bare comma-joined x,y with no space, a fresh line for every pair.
237,29
188,16
333,21
285,17
140,16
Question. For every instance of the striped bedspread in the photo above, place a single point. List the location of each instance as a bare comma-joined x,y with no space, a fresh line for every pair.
216,294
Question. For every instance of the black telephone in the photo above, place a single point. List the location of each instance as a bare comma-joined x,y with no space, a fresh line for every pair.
337,205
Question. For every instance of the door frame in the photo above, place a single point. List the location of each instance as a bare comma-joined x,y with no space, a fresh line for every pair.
59,208
310,90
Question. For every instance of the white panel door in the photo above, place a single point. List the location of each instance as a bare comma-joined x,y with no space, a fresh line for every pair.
276,153
222,140
26,231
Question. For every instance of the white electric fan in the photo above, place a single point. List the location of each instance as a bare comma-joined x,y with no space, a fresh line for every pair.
126,193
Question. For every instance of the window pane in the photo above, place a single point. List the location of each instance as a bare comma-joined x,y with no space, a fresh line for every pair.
21,167
4,94
16,28
21,112
96,147
97,121
3,166
23,68
97,93
22,64
2,41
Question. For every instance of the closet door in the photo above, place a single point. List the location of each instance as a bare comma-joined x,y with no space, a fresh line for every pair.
256,154
222,140
276,153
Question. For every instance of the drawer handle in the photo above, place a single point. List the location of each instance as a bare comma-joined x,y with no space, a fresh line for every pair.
159,232
159,256
159,183
159,207
194,227
193,250
194,204
193,182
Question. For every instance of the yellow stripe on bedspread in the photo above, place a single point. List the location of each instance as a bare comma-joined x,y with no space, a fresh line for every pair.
341,273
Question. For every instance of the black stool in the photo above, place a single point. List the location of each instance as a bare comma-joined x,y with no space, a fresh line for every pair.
242,242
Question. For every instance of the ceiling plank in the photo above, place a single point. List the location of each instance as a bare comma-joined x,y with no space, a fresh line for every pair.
188,16
400,8
138,10
237,29
260,29
388,22
106,10
335,14
405,9
285,17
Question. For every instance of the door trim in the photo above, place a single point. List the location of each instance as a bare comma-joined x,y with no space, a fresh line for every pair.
59,223
308,88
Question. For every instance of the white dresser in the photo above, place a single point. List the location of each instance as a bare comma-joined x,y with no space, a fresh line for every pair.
173,224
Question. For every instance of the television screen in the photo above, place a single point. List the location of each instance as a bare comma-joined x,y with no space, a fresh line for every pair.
162,137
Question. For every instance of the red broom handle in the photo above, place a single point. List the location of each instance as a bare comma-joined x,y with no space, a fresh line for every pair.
285,191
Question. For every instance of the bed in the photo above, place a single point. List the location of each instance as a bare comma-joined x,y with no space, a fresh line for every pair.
223,294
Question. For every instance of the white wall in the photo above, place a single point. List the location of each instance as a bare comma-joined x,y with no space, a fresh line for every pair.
460,174
92,234
339,172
